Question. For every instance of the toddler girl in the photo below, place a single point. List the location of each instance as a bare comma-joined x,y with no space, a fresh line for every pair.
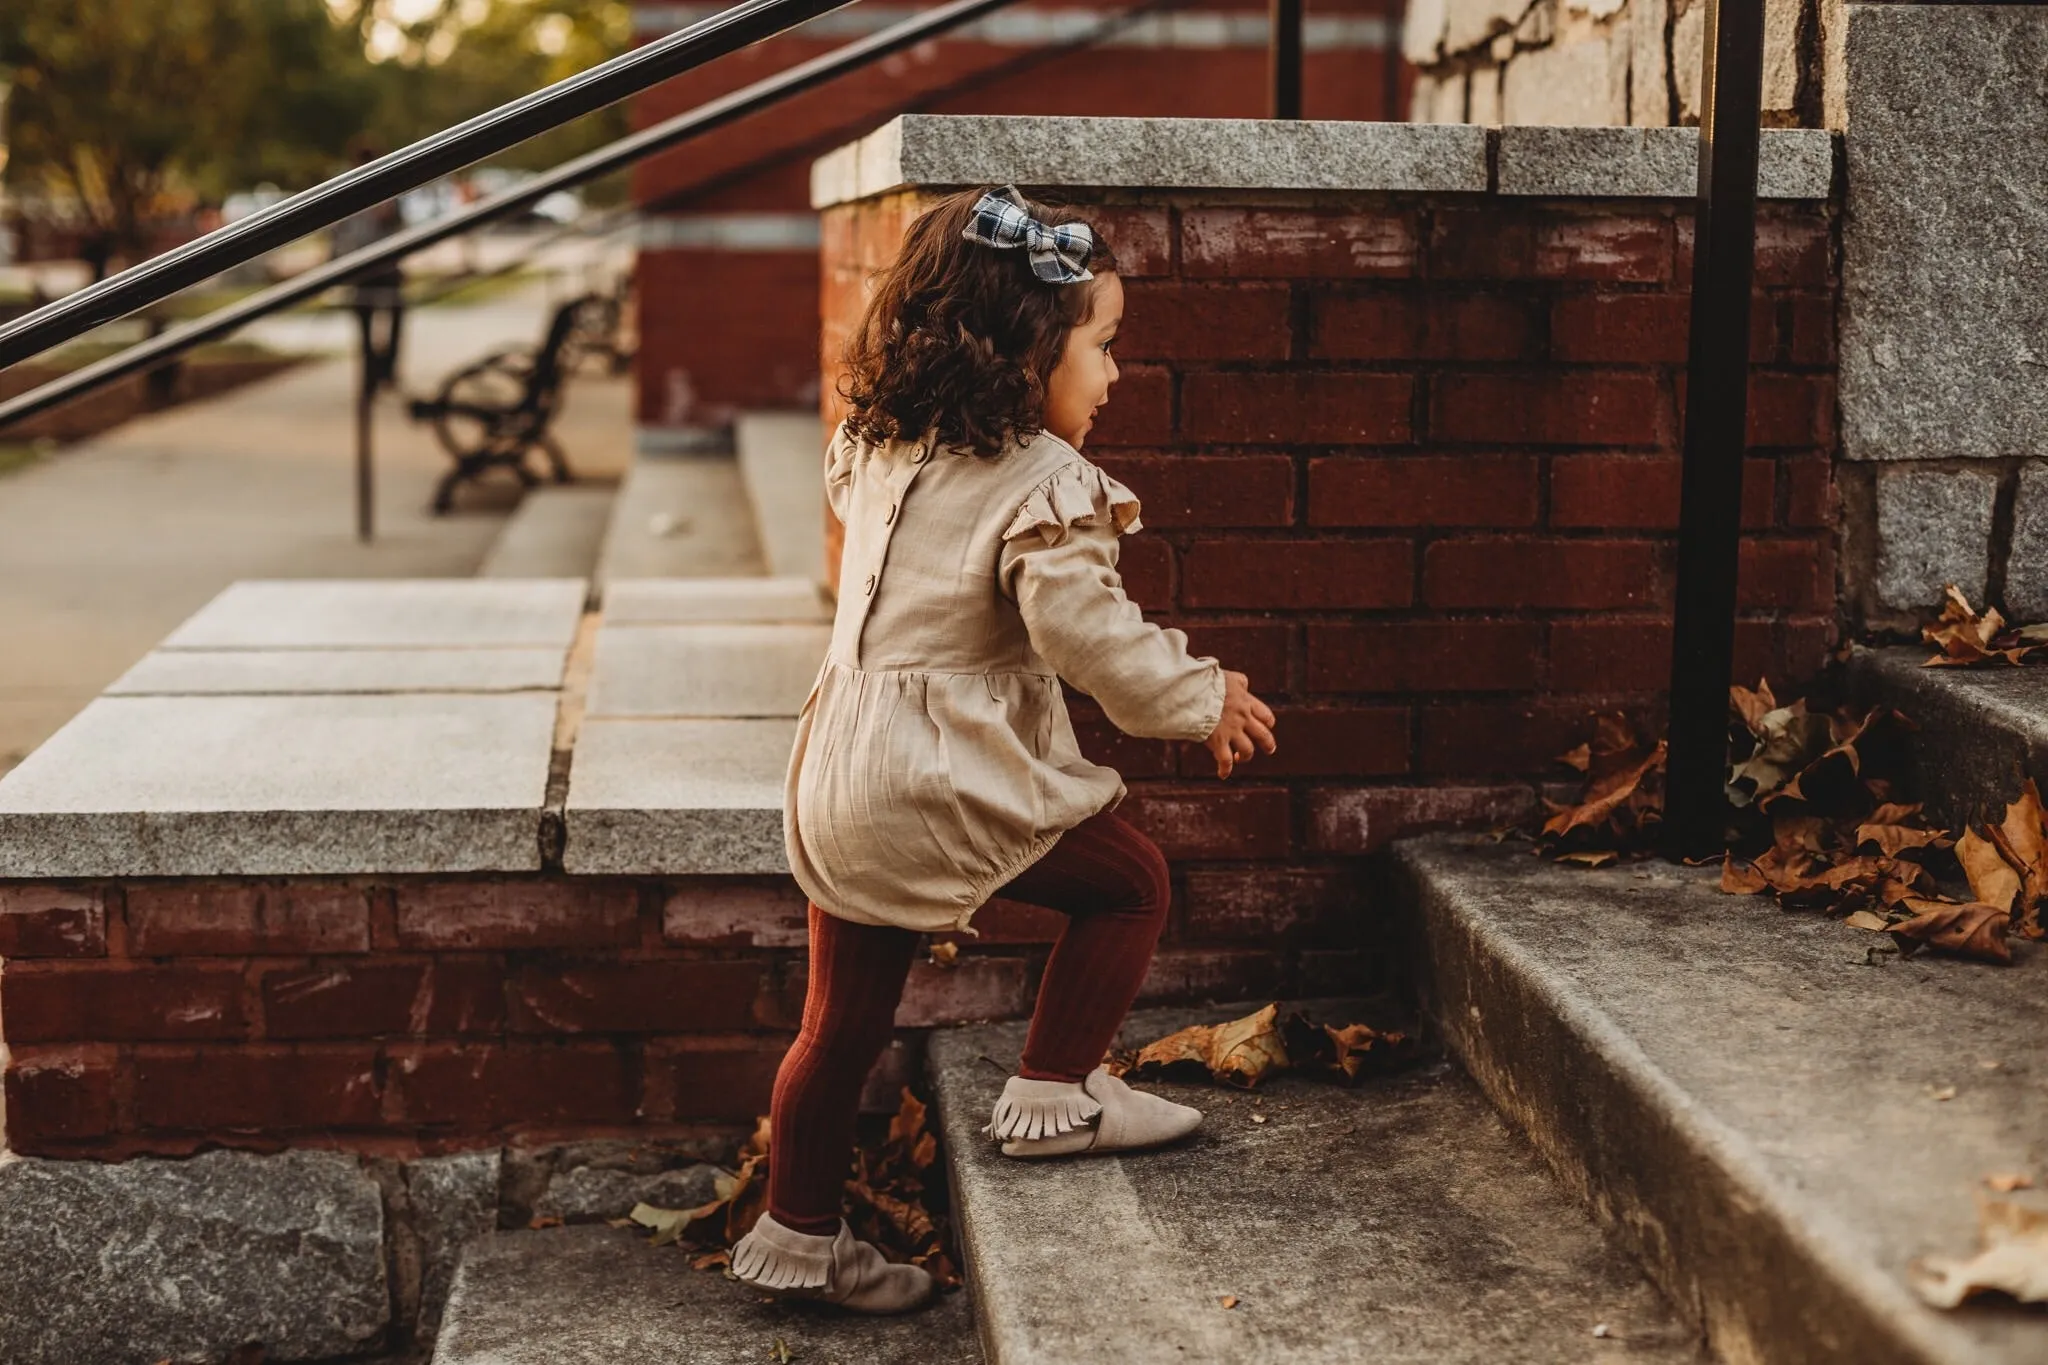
934,765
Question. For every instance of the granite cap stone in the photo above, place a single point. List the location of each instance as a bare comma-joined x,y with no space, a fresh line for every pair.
670,796
385,614
283,785
198,672
711,669
1152,153
1654,163
688,601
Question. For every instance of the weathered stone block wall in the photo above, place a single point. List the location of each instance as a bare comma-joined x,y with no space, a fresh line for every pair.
1610,61
1944,315
1410,462
396,1016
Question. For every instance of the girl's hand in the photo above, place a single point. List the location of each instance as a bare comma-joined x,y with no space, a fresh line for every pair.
1245,721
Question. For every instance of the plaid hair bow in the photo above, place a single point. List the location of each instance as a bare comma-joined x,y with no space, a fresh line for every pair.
1059,255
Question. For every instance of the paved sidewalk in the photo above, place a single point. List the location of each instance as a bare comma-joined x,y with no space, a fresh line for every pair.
110,543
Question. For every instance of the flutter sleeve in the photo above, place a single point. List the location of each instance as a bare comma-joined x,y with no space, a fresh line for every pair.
1058,564
840,454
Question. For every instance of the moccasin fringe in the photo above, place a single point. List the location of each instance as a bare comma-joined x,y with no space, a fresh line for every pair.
764,1259
1057,1108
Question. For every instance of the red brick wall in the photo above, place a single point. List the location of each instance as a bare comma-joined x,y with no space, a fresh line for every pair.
410,1015
731,347
1411,464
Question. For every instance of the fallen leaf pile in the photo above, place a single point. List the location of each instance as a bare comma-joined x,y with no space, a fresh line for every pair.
1965,638
1243,1052
2014,1258
1819,826
1622,802
886,1201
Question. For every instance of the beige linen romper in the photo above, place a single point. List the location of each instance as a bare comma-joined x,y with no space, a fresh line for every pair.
934,760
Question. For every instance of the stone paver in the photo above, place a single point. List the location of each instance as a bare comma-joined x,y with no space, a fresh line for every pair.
684,601
432,613
273,785
782,459
1399,1221
111,1263
602,1296
665,796
720,669
681,516
188,672
107,545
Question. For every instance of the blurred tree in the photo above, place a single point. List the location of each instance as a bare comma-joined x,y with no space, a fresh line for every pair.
453,59
128,110
125,110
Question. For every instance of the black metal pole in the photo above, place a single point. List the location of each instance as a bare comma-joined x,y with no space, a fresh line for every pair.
1716,430
712,114
1286,59
366,397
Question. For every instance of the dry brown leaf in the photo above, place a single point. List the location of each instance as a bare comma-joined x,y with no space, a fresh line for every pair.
1965,638
1972,929
1580,757
1240,1051
2014,1259
2007,1182
1228,1300
1590,857
1742,879
1753,706
2022,839
945,954
1606,792
1893,829
1992,879
1788,741
1353,1041
1865,919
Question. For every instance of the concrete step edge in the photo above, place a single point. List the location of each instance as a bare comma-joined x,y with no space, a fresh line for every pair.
1980,729
1651,1162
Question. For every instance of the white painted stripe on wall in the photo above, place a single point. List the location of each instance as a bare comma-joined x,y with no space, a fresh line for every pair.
731,232
1040,27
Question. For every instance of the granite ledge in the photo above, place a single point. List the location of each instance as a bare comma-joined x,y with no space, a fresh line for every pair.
1306,154
1153,153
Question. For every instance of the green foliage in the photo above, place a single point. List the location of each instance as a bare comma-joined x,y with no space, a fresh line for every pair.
124,110
468,56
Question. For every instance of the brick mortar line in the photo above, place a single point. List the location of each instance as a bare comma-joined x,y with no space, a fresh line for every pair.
553,832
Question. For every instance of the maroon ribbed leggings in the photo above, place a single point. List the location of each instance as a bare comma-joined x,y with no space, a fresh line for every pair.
1106,877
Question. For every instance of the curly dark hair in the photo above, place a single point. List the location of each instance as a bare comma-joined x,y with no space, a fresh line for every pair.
959,338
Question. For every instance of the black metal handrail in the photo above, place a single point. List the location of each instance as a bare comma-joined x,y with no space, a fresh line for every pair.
62,317
407,168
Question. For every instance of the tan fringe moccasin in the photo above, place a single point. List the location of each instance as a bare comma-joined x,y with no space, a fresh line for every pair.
1052,1118
839,1269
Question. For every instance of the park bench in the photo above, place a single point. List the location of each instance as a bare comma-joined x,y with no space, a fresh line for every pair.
495,412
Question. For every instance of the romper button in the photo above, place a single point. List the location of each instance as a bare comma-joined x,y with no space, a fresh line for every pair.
871,585
917,456
891,514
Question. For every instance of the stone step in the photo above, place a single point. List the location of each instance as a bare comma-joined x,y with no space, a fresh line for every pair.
556,532
685,743
782,460
1981,730
595,1295
1395,1221
681,516
1749,1097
